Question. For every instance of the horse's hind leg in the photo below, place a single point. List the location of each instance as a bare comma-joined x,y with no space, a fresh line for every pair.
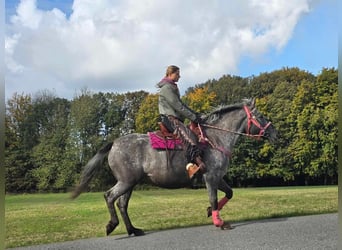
111,196
123,205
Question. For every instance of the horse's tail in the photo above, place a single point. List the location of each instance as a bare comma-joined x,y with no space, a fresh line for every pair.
90,169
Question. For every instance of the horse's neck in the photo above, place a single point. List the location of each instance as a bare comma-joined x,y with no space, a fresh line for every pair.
230,125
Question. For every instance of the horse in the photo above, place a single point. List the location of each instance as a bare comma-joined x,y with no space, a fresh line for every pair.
131,159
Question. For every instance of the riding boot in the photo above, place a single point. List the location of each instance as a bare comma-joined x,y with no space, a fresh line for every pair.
194,168
200,164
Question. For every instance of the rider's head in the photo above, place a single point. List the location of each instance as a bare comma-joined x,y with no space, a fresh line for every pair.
173,73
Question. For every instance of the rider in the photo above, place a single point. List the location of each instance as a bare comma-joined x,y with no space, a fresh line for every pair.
173,112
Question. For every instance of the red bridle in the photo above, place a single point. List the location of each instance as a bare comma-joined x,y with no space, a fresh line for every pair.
252,120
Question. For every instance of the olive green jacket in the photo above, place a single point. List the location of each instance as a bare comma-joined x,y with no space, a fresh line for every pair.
170,102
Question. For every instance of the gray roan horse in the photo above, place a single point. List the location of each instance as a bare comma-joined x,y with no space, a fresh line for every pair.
131,158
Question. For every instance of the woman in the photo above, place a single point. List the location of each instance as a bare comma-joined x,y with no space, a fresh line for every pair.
173,112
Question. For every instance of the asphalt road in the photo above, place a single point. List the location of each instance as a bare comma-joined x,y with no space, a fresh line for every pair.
305,232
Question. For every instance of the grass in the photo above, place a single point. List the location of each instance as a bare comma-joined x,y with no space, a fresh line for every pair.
34,219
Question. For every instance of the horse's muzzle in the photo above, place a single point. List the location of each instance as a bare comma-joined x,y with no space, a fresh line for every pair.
271,134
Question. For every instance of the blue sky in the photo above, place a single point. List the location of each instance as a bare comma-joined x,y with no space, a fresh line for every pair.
64,46
63,5
314,44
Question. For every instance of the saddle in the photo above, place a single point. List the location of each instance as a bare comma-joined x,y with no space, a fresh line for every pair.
165,132
164,139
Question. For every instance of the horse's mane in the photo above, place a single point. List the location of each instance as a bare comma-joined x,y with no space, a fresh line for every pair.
223,109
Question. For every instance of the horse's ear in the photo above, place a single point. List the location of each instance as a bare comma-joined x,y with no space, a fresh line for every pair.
253,102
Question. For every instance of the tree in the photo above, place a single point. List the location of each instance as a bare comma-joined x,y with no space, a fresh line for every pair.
148,115
200,99
228,89
49,155
85,123
314,126
114,116
276,106
130,108
18,164
265,83
275,92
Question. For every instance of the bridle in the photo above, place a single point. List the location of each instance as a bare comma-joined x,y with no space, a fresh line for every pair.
251,119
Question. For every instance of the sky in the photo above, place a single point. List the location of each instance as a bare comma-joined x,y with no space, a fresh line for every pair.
66,46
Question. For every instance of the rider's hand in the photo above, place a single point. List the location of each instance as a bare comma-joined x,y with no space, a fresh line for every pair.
198,119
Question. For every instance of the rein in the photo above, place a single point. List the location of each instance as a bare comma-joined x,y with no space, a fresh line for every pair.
206,139
227,130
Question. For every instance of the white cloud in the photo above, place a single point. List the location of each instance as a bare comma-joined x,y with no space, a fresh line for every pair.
126,45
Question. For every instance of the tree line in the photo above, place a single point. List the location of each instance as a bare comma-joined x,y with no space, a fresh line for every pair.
48,139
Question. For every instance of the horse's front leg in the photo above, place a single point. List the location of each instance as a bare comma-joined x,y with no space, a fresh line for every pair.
224,187
212,187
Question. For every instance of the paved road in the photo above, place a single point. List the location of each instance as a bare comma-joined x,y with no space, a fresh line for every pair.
305,232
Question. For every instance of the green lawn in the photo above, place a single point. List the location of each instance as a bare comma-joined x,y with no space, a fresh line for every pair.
33,219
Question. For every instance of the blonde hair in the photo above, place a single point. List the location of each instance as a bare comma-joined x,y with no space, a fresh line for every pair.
171,69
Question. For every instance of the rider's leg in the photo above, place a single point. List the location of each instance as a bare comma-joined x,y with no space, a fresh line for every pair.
196,164
193,152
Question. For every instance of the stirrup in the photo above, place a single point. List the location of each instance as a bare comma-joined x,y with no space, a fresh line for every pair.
192,169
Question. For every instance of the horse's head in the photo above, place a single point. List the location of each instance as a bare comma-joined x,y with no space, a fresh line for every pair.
258,125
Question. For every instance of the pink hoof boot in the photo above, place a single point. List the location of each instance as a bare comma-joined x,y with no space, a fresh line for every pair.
218,222
221,204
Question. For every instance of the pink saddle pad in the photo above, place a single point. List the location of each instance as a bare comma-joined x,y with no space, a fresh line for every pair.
158,142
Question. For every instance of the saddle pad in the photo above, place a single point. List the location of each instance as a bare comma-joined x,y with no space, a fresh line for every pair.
158,142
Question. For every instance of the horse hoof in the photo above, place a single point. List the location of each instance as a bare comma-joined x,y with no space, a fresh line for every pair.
226,226
136,232
110,227
209,211
139,232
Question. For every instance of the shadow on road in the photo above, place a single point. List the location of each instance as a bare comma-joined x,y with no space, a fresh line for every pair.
245,223
234,225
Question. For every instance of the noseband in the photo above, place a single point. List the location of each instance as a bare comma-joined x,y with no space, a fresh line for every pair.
252,120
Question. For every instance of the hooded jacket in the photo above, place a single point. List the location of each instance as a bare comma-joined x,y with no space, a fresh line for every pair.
170,102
